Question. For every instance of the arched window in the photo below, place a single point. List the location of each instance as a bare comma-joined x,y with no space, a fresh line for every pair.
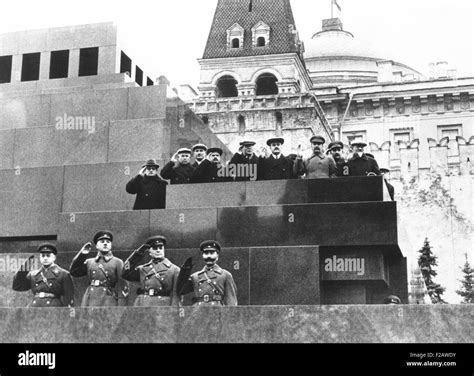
226,87
261,42
267,84
241,121
235,43
260,34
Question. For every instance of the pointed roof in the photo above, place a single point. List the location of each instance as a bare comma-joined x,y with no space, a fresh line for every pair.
247,13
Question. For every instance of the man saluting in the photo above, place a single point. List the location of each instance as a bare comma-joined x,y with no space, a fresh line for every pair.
157,278
106,285
51,285
212,285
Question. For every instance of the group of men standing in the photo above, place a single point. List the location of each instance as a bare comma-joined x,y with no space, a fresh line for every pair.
162,283
246,165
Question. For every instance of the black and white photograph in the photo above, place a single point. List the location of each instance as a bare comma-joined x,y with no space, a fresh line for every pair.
237,172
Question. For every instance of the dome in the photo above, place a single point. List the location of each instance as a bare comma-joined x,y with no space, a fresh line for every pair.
334,57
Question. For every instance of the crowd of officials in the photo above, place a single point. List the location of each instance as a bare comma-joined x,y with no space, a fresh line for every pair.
208,167
162,283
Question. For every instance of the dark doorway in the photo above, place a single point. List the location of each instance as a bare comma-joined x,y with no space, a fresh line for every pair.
30,67
5,69
88,61
235,43
59,64
226,87
261,42
267,84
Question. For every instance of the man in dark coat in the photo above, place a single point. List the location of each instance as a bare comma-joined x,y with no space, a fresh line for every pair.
335,150
245,163
199,151
51,285
212,170
149,188
360,164
106,288
276,166
179,169
212,286
158,277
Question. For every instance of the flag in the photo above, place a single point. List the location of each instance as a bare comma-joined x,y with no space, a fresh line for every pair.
336,4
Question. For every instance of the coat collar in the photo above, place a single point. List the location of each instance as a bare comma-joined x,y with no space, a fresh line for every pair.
52,269
106,258
158,267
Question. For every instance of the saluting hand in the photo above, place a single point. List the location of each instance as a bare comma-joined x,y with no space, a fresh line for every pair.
174,158
142,171
143,248
298,151
86,248
26,266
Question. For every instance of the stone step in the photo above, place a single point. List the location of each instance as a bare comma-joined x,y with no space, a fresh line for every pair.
279,324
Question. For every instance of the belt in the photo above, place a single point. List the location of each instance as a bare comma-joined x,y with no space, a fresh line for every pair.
97,283
152,292
45,295
208,298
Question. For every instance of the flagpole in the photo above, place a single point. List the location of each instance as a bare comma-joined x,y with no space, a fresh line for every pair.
332,8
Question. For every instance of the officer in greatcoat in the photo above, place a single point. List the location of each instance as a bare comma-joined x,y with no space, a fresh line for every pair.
51,285
104,273
179,170
149,188
158,277
276,166
335,151
212,285
318,165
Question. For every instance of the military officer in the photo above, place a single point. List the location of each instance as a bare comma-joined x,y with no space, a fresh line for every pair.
360,164
149,188
51,285
276,166
104,272
245,162
318,165
179,169
157,278
199,151
335,150
211,170
212,285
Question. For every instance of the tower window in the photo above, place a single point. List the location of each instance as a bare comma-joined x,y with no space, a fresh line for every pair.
235,36
241,121
88,61
5,69
267,84
235,43
260,34
59,65
30,67
226,87
205,120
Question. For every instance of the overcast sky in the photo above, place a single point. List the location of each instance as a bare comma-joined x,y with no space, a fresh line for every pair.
166,37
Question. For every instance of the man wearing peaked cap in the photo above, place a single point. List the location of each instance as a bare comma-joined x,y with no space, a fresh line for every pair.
106,287
149,188
360,164
51,285
275,166
211,169
392,299
391,189
199,151
318,165
179,170
212,285
158,277
335,150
